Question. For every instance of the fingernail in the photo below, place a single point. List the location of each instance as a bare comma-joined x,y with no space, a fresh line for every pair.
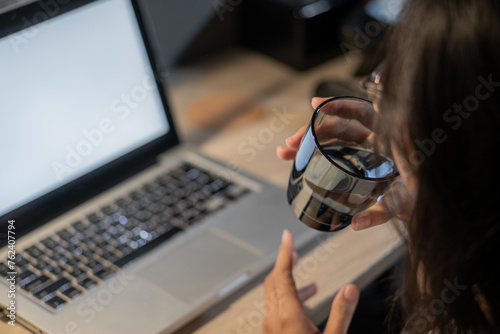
351,293
285,235
362,222
315,100
313,288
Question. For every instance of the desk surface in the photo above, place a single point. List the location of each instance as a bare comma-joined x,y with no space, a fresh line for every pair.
282,96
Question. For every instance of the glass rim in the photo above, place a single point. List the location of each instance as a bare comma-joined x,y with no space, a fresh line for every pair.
389,177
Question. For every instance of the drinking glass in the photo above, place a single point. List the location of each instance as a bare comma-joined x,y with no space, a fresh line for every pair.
339,169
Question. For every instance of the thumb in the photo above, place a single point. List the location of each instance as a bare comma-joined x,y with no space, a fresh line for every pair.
343,307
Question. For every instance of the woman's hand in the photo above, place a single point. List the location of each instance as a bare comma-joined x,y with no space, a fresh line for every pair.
284,310
355,125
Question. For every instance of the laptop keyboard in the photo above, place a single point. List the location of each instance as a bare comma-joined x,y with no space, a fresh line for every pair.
63,266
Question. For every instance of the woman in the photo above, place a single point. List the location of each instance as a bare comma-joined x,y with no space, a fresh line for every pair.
439,111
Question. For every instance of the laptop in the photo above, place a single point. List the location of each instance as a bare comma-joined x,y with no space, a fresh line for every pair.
108,224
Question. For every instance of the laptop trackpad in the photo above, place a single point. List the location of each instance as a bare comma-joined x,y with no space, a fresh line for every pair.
200,265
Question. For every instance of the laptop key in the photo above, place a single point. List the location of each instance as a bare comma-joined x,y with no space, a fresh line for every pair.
41,264
109,256
150,245
79,274
193,173
21,261
234,191
72,262
143,215
55,270
79,226
136,195
145,200
4,269
206,191
215,203
124,248
217,185
122,202
93,218
25,277
204,179
37,284
181,193
131,209
88,283
157,208
59,256
94,265
188,215
61,284
49,243
64,234
72,292
34,252
108,210
104,273
56,302
87,253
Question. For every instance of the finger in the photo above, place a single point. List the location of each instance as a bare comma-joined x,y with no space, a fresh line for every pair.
282,273
270,292
398,202
351,109
343,308
373,216
285,153
316,101
284,261
295,257
294,140
337,128
307,292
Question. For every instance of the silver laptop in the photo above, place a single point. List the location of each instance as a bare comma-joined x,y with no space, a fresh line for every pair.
108,224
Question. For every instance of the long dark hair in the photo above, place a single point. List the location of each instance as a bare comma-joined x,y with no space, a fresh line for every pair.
441,106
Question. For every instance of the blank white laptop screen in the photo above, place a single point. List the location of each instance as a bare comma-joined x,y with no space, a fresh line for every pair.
73,99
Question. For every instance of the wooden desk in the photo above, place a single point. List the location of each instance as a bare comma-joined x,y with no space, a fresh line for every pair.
284,98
